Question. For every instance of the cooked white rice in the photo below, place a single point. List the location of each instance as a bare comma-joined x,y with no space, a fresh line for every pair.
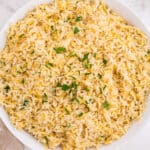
75,74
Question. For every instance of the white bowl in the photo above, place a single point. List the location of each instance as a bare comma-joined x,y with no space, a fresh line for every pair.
125,141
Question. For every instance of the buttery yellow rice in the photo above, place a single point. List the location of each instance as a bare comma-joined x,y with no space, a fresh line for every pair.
74,74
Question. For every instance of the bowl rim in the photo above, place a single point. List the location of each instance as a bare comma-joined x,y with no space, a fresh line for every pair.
128,14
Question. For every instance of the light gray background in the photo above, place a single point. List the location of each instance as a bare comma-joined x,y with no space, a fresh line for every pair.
140,7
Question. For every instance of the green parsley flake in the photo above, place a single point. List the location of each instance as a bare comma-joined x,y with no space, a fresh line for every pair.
104,87
53,29
21,36
88,73
65,87
106,104
67,111
88,65
7,88
80,114
23,81
78,19
148,52
74,85
60,50
99,76
48,64
104,61
94,55
25,103
88,101
87,89
72,54
76,30
85,57
44,98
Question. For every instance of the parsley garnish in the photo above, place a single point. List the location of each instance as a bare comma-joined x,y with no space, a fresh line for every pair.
88,65
49,65
59,50
88,101
148,52
106,105
25,103
7,88
85,57
94,55
87,73
99,76
23,81
44,98
104,87
72,54
104,61
76,30
87,89
80,114
67,111
74,85
65,87
21,36
79,18
53,29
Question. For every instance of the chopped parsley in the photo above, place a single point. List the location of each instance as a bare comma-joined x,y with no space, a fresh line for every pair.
72,54
106,104
80,114
99,76
7,88
85,57
104,87
21,36
25,103
23,81
88,73
104,61
49,65
87,89
53,29
88,101
148,52
74,85
94,55
44,98
32,52
65,87
87,65
67,111
78,19
76,30
59,50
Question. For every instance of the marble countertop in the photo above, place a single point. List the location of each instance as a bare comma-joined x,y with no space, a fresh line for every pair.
7,8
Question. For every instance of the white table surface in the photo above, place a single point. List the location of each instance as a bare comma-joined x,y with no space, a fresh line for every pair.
140,7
